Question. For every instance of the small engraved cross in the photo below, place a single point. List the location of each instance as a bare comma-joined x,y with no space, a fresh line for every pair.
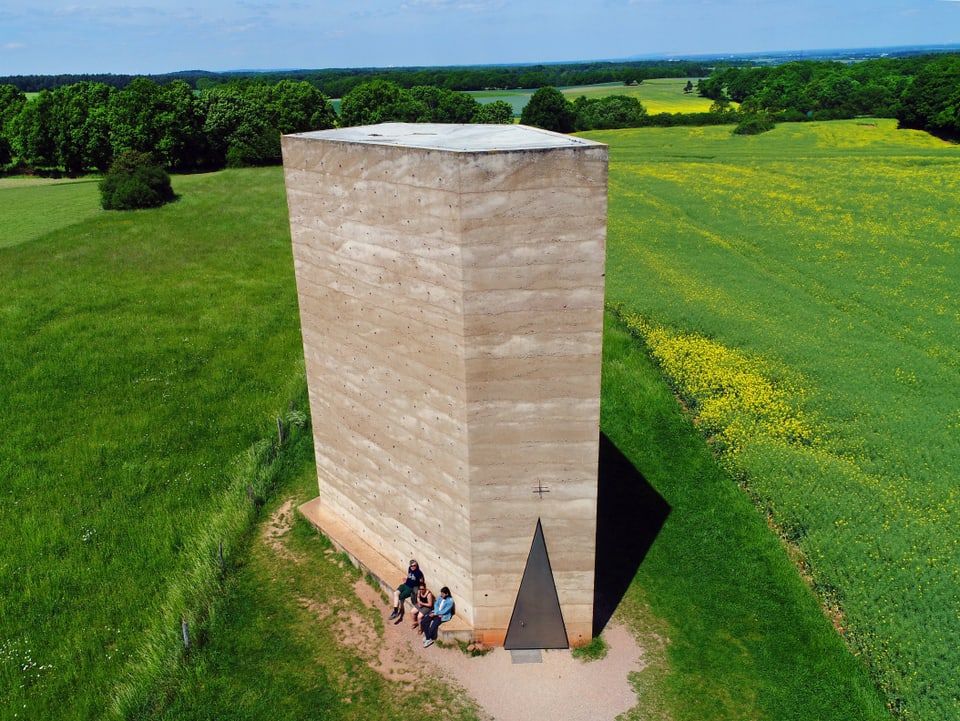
541,489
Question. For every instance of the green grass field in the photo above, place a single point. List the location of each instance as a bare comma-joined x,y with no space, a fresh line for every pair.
728,627
659,95
144,352
664,95
147,355
26,214
800,289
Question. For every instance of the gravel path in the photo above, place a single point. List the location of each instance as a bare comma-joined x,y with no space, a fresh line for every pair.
555,687
559,688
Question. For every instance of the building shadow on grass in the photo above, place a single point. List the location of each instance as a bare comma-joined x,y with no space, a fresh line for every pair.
630,514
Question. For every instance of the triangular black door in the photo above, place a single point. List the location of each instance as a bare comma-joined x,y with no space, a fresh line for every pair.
537,621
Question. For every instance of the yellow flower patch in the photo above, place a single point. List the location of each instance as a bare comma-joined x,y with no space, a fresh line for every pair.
734,398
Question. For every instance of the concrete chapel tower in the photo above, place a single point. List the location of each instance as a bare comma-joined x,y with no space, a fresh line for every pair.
451,284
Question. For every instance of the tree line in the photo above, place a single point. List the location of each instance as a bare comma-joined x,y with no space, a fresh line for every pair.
921,92
81,127
337,82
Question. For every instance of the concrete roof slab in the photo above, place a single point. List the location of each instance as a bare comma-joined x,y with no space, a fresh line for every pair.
464,138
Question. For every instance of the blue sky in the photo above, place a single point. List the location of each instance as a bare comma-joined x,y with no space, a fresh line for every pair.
154,36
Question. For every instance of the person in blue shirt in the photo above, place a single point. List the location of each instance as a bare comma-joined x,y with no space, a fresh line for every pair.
405,590
442,611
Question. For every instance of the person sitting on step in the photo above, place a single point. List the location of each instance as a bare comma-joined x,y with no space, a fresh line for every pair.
405,590
442,611
422,604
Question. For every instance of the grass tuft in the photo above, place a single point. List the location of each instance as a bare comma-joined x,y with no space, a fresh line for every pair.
593,651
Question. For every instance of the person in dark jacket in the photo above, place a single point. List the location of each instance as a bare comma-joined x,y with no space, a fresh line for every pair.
406,589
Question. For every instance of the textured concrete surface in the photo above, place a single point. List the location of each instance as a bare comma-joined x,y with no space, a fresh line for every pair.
451,296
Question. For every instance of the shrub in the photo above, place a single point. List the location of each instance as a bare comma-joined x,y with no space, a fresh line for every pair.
593,651
754,125
612,111
135,181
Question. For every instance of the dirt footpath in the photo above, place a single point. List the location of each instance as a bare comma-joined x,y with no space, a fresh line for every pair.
556,688
559,688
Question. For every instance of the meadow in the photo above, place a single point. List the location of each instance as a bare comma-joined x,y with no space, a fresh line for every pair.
661,95
145,355
149,354
798,289
26,214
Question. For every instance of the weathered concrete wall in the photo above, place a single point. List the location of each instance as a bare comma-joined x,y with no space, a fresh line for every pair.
451,295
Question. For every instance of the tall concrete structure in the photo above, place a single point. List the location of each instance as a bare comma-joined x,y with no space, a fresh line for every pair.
451,284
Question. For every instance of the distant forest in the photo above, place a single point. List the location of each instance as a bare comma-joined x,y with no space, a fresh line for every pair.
922,92
336,83
204,121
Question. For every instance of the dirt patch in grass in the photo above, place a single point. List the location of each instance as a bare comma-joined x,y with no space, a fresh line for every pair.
557,687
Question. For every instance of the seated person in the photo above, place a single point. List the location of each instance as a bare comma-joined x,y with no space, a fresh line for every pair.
422,603
442,611
405,589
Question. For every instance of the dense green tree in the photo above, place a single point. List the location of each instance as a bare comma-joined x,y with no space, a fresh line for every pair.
178,125
533,79
65,128
711,87
720,106
825,90
550,110
224,110
33,134
499,112
610,112
81,127
378,101
133,181
237,126
932,100
787,87
741,83
254,145
881,84
12,101
132,113
445,106
879,99
165,120
834,90
296,107
749,105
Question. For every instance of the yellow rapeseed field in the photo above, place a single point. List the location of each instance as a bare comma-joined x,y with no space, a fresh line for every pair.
801,291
